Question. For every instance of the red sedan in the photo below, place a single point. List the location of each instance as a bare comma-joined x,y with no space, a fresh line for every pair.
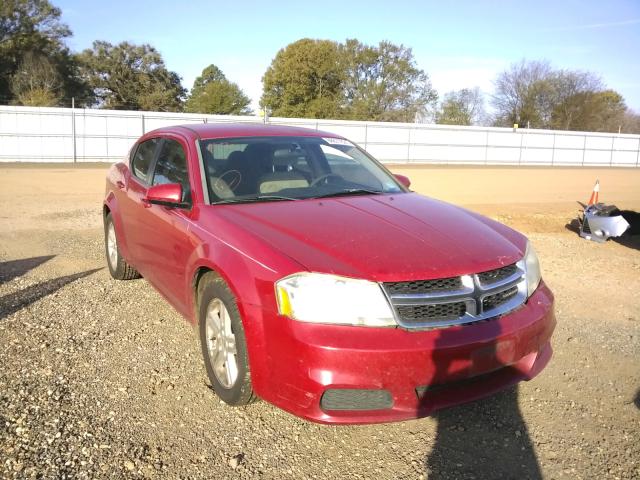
318,280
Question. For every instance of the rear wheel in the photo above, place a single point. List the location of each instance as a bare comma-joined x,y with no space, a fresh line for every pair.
223,342
118,267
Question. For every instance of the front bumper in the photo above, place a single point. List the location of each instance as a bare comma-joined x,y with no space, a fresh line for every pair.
295,363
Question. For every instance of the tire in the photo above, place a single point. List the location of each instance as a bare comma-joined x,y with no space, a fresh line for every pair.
223,342
118,266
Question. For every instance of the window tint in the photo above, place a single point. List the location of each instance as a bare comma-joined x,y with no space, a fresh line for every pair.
172,168
143,158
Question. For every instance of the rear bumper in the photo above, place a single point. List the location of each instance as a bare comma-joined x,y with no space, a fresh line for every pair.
423,371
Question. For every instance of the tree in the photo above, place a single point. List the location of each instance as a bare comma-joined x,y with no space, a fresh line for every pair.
36,83
569,85
521,93
128,76
602,111
533,94
631,122
213,93
31,29
383,83
324,79
304,80
462,107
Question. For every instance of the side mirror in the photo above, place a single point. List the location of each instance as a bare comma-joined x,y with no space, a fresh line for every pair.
403,180
168,195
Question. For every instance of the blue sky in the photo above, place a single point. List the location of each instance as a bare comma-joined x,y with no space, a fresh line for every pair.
458,43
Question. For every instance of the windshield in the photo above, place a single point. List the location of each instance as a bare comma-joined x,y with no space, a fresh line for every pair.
253,169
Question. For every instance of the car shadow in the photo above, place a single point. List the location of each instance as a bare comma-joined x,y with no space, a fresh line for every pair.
489,437
13,302
485,439
16,268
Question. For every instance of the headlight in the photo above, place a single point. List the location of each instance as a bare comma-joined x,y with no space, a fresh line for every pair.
531,266
322,298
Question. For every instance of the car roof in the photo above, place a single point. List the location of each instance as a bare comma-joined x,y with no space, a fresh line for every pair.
249,129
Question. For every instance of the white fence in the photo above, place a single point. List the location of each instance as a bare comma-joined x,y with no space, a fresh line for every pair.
65,135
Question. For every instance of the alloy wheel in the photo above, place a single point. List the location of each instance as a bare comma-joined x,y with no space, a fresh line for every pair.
221,343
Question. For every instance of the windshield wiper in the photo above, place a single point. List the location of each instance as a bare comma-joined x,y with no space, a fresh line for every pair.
258,198
350,191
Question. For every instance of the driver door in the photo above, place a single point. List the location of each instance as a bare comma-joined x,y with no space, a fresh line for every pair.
167,248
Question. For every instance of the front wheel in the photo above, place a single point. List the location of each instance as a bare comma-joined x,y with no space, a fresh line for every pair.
118,266
223,342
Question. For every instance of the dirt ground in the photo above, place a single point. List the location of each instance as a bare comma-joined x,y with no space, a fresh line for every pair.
100,378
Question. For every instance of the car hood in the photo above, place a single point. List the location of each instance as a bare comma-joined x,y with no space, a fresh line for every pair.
380,237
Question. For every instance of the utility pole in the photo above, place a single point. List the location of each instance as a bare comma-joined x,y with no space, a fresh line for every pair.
73,128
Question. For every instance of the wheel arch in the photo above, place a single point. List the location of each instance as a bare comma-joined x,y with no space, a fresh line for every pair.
110,206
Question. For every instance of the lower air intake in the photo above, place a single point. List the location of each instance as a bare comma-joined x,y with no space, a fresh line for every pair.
356,399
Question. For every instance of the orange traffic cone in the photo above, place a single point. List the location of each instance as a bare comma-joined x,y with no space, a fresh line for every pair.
594,194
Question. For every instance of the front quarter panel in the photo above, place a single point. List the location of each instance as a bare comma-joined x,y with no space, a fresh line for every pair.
250,267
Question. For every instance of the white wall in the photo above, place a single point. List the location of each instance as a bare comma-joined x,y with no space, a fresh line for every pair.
47,135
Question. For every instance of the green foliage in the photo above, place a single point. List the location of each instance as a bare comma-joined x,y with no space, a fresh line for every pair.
325,79
602,111
383,83
128,76
463,107
213,93
304,80
32,29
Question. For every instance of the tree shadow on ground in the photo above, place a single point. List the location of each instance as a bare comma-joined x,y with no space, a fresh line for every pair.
16,268
488,438
13,302
636,400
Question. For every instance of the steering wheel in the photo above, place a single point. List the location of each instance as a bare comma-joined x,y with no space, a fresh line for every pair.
324,178
233,181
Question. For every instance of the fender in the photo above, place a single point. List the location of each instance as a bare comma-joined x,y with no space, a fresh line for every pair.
238,269
112,204
117,173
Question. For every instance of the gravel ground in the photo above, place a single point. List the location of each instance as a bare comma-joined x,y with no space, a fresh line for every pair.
103,379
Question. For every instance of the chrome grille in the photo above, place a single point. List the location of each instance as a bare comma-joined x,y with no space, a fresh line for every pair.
424,286
497,299
498,274
457,300
439,311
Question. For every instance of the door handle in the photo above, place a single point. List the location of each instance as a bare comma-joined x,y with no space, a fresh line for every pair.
120,184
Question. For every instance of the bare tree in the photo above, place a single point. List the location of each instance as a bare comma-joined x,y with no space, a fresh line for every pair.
520,92
533,94
37,82
630,122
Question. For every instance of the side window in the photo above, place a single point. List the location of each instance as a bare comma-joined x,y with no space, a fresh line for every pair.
143,157
172,168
